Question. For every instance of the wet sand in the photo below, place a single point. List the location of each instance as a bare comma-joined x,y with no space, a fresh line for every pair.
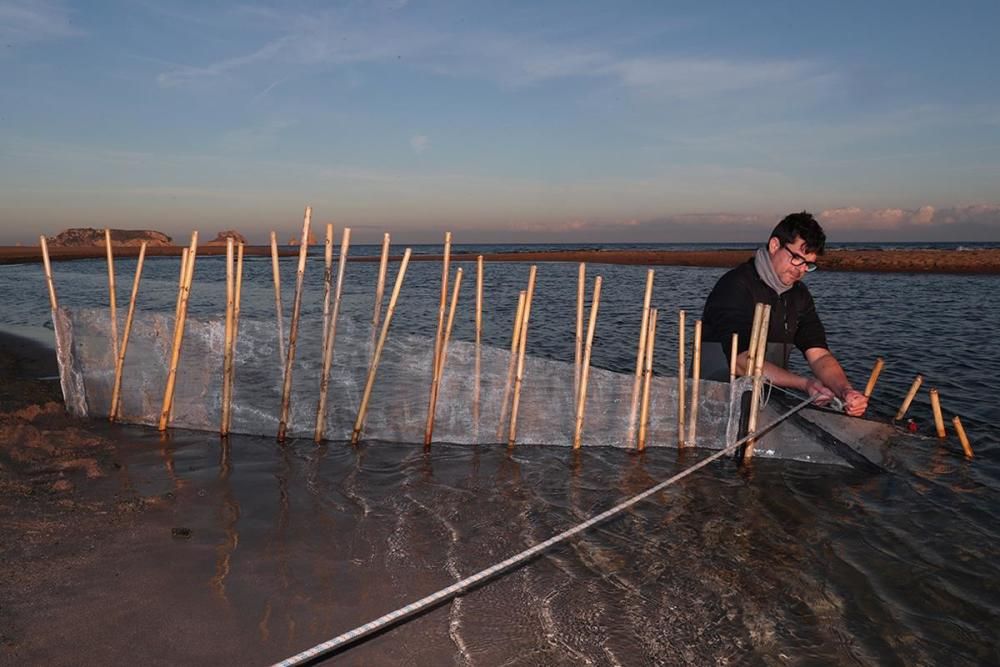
980,261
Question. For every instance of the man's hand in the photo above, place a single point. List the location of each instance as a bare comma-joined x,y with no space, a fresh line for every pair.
818,391
855,403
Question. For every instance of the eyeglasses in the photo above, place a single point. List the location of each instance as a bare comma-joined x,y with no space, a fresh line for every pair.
799,260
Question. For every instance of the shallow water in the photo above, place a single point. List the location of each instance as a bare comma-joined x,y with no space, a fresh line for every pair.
791,564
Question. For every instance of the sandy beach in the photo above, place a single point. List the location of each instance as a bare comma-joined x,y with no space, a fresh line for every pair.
977,261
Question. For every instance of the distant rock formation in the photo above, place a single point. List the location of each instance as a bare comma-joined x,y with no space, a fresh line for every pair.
221,237
81,237
295,241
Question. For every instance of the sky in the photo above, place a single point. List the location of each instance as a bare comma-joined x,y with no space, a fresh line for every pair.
550,121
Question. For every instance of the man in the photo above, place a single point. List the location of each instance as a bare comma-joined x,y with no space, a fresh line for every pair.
773,276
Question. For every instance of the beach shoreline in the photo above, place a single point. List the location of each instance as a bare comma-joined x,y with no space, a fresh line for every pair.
894,260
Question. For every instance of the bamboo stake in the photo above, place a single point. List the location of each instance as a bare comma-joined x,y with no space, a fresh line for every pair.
53,301
917,381
329,339
429,430
962,437
277,299
647,377
120,362
581,280
370,381
681,380
758,377
380,285
327,277
236,329
733,351
185,293
522,350
479,335
581,401
873,378
293,331
515,346
936,408
695,386
639,354
439,334
227,353
112,294
758,311
180,283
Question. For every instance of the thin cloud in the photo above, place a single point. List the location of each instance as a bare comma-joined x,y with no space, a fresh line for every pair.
857,218
419,143
26,22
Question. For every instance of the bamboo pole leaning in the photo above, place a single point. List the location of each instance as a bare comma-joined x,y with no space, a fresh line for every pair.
116,407
54,305
227,350
185,293
639,355
280,318
692,434
515,345
917,381
962,437
581,280
327,277
293,331
938,418
180,282
758,312
873,378
439,333
112,294
758,377
330,335
521,353
647,378
383,266
236,330
439,372
373,366
479,337
581,401
681,380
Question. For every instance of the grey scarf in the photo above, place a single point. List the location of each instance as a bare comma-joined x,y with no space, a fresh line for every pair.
762,262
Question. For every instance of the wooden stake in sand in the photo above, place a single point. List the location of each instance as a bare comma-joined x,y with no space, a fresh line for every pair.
112,293
479,337
330,329
681,380
439,335
692,434
180,283
733,352
873,378
917,381
962,437
760,335
647,376
429,432
293,332
327,277
53,301
373,367
581,280
515,346
521,352
116,407
227,350
581,401
280,318
938,418
383,266
185,293
236,331
758,312
639,355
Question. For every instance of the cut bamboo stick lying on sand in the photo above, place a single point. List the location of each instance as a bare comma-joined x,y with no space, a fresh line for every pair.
330,335
692,434
373,366
116,406
962,437
639,356
185,293
112,294
293,331
439,372
873,378
647,377
910,395
522,351
515,345
581,401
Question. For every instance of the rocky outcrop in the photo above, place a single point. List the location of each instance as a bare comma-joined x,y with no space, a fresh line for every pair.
296,240
221,237
82,237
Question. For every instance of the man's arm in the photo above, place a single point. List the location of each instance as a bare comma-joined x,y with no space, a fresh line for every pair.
785,378
828,370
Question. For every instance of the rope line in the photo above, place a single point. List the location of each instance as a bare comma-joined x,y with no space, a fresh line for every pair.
445,593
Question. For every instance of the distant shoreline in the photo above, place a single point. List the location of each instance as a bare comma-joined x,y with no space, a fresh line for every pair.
974,261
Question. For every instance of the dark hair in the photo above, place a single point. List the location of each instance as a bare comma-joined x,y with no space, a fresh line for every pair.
801,225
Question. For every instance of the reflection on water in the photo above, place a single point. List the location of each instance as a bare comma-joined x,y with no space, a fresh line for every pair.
799,564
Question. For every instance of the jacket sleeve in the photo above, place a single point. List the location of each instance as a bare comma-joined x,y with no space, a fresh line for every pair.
728,310
810,332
